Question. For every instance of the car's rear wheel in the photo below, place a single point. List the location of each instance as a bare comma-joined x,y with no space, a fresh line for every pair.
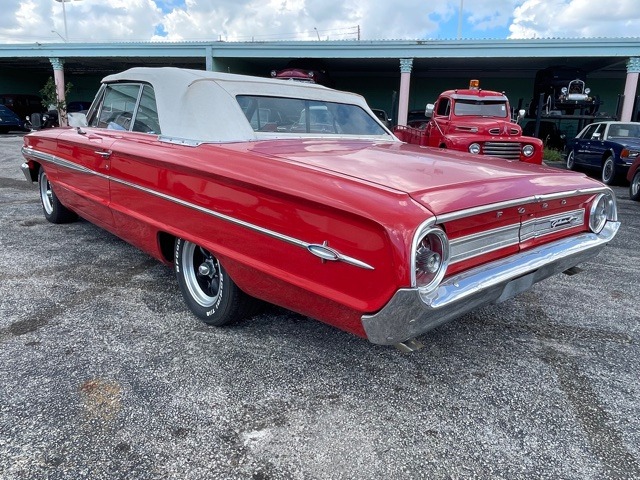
571,160
609,171
53,210
634,187
207,289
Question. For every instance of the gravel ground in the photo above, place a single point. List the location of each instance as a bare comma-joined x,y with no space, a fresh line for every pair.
104,374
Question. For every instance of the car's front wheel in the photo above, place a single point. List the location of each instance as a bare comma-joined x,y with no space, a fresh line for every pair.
609,171
571,160
53,210
207,289
634,187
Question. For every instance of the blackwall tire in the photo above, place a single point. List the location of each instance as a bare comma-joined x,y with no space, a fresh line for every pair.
571,164
634,187
609,171
207,289
53,210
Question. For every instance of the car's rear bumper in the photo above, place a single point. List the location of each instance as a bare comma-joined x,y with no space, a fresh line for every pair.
26,170
409,314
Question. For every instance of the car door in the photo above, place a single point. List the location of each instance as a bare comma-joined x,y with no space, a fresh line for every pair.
581,144
595,146
86,153
137,162
438,126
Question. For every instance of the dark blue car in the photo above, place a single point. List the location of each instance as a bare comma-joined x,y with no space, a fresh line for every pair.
609,147
9,120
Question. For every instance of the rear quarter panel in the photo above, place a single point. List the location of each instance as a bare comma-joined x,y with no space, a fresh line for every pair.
370,223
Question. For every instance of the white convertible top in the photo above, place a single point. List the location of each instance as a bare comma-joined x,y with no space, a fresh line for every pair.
201,105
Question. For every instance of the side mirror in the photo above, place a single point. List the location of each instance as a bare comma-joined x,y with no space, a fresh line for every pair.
522,112
429,110
596,136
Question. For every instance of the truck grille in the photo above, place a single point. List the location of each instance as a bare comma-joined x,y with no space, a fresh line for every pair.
510,150
498,131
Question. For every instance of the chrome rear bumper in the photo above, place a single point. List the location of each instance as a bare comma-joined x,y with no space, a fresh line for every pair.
26,171
409,314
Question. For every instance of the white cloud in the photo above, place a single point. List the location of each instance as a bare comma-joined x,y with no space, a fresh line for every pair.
27,21
575,18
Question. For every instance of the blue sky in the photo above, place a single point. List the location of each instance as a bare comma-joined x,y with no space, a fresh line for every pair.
448,29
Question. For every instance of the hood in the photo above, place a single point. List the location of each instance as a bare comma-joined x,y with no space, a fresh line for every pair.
627,142
441,180
484,126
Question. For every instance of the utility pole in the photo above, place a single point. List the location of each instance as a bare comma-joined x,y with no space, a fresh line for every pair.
64,16
460,19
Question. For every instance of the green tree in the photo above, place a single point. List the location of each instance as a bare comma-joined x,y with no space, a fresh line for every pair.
50,98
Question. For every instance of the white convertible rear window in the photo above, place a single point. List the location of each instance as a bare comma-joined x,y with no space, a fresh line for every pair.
296,116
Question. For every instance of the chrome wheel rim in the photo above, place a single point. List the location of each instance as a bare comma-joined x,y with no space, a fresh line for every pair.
46,195
635,184
570,160
202,274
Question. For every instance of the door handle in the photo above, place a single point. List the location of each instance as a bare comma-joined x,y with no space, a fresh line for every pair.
104,155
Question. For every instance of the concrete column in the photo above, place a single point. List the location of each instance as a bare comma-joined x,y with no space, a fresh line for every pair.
209,58
406,65
630,87
58,77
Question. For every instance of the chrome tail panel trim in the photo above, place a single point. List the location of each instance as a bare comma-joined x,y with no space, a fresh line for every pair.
447,217
539,227
464,248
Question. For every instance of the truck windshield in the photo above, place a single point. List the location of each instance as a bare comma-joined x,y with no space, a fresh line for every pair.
481,108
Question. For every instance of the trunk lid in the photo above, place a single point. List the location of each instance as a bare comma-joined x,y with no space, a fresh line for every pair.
442,181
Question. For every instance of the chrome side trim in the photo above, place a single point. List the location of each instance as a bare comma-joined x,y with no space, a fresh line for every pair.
46,157
447,217
30,152
180,141
409,314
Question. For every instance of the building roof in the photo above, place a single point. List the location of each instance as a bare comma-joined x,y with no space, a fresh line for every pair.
527,55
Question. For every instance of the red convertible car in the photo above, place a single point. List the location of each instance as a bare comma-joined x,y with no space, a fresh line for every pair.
296,194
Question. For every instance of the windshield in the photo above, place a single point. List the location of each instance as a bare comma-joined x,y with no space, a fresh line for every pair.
296,116
481,108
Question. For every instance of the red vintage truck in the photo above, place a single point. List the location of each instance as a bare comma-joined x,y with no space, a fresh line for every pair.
476,121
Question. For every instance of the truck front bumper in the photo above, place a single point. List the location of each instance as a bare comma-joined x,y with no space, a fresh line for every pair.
409,313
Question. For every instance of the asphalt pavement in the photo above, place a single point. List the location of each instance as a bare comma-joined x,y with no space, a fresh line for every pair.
105,374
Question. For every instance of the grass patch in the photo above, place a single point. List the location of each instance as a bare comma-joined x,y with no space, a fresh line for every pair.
551,155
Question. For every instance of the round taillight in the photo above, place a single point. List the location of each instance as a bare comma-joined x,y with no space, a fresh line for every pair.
431,258
603,208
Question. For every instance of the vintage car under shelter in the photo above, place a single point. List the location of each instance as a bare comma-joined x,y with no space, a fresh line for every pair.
297,195
607,147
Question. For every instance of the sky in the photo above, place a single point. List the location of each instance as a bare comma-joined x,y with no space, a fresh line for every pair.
29,21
